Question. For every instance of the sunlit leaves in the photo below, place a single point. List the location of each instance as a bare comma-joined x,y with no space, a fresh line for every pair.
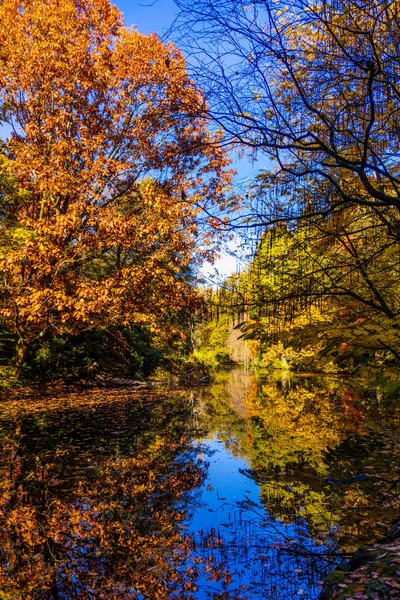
322,295
114,167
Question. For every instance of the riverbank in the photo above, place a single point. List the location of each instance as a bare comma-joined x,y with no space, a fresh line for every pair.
183,373
372,573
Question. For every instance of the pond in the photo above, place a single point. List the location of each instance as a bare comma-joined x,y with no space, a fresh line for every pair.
253,487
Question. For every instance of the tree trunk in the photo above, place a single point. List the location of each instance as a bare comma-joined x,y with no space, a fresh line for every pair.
20,355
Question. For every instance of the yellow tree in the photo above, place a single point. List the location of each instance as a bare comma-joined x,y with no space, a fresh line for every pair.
328,289
313,86
111,166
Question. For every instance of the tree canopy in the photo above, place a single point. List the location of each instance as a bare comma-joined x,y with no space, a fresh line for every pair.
313,85
104,175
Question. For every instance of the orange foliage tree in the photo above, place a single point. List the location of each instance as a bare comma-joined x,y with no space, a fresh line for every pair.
111,171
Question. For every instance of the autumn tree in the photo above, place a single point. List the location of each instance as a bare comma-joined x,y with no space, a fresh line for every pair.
112,168
311,85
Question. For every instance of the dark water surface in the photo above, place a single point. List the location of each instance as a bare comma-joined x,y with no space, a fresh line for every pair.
250,488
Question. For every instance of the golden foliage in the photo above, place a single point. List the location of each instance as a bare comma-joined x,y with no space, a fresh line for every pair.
113,166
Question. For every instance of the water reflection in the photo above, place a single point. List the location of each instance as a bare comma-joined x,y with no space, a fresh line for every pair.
93,490
244,551
306,441
242,490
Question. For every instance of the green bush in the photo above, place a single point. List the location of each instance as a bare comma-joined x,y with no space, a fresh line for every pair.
211,340
118,352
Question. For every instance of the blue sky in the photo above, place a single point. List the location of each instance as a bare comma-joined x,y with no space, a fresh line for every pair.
158,15
148,15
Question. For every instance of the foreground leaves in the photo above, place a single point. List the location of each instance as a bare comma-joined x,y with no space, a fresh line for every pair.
91,511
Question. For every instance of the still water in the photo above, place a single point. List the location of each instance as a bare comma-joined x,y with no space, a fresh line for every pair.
254,487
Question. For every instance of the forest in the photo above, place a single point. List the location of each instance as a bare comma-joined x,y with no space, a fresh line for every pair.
312,89
167,436
116,184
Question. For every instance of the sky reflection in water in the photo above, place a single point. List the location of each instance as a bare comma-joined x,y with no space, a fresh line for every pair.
233,530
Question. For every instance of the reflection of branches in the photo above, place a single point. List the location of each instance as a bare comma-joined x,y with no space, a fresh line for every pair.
296,438
115,530
261,554
286,540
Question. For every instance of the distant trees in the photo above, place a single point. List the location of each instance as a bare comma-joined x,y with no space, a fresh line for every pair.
323,297
104,175
333,289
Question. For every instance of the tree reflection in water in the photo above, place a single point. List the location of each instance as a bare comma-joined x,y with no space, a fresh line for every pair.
295,433
93,490
103,494
245,552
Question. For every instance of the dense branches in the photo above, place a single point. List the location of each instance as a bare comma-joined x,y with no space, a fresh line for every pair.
324,295
314,86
